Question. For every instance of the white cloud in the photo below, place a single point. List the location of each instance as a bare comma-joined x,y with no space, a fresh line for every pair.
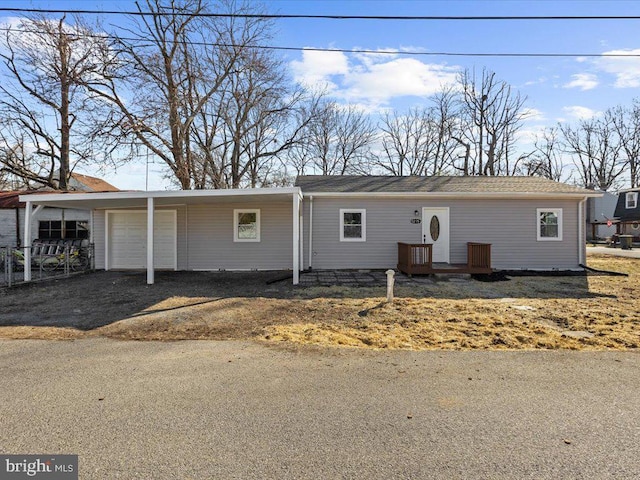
317,68
583,81
7,22
532,115
10,22
371,79
580,113
396,78
626,68
526,137
537,81
379,57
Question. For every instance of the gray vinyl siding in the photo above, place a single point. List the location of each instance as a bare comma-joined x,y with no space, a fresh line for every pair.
509,225
8,232
8,222
181,231
210,238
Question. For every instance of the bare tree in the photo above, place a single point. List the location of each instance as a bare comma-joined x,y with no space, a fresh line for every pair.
162,75
492,113
421,141
49,122
14,157
626,123
335,141
205,102
596,151
445,114
546,159
262,119
406,142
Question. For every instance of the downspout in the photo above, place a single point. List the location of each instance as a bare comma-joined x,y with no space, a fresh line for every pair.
582,241
18,239
311,232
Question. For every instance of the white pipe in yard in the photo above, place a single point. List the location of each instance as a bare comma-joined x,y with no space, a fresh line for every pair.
390,281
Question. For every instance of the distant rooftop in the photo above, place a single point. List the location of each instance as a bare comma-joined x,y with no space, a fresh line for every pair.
438,184
79,183
87,183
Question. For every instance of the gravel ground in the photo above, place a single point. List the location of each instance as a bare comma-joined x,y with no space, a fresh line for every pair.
241,410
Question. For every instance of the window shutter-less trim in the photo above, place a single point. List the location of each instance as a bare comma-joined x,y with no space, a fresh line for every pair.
549,224
353,225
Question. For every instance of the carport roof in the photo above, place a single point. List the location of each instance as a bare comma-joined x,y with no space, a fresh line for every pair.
124,199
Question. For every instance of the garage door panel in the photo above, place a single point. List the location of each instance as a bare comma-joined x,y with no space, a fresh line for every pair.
128,239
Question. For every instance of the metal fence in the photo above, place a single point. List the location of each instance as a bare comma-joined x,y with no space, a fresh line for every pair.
49,259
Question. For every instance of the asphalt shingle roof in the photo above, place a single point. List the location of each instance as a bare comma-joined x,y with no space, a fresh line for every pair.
93,184
485,184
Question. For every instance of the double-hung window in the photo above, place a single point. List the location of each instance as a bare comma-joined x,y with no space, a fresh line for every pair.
631,200
549,224
353,225
246,225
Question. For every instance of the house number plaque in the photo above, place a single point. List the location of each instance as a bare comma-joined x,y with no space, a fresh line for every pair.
416,220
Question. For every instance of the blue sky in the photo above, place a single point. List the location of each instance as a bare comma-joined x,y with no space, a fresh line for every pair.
557,89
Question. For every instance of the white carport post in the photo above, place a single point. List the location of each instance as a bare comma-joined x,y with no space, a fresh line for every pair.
150,266
296,238
26,242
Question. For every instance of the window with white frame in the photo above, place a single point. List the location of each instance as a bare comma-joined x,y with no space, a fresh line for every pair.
246,225
549,224
631,199
353,225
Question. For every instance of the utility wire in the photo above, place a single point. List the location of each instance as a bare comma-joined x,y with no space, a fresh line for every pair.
332,17
350,50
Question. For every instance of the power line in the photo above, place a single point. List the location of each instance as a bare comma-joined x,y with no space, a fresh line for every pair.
332,17
352,50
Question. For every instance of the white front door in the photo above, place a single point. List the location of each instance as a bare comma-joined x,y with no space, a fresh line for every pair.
435,230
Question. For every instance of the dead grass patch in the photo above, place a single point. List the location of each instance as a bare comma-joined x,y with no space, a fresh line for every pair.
523,313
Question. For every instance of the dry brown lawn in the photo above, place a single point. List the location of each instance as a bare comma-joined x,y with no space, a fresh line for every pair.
592,312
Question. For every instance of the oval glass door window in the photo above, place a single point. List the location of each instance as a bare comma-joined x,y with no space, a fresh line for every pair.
434,228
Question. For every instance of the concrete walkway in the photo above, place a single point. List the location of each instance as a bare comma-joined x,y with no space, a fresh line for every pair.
618,252
367,278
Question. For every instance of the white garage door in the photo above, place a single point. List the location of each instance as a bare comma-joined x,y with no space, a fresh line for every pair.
127,246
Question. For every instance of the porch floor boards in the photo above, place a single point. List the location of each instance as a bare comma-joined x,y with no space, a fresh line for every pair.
442,268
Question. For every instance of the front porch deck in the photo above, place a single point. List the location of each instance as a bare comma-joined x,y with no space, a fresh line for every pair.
417,259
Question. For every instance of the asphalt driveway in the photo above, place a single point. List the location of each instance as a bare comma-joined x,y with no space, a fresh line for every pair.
616,252
241,410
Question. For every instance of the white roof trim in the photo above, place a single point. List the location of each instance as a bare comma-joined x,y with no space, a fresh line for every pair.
57,197
455,194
